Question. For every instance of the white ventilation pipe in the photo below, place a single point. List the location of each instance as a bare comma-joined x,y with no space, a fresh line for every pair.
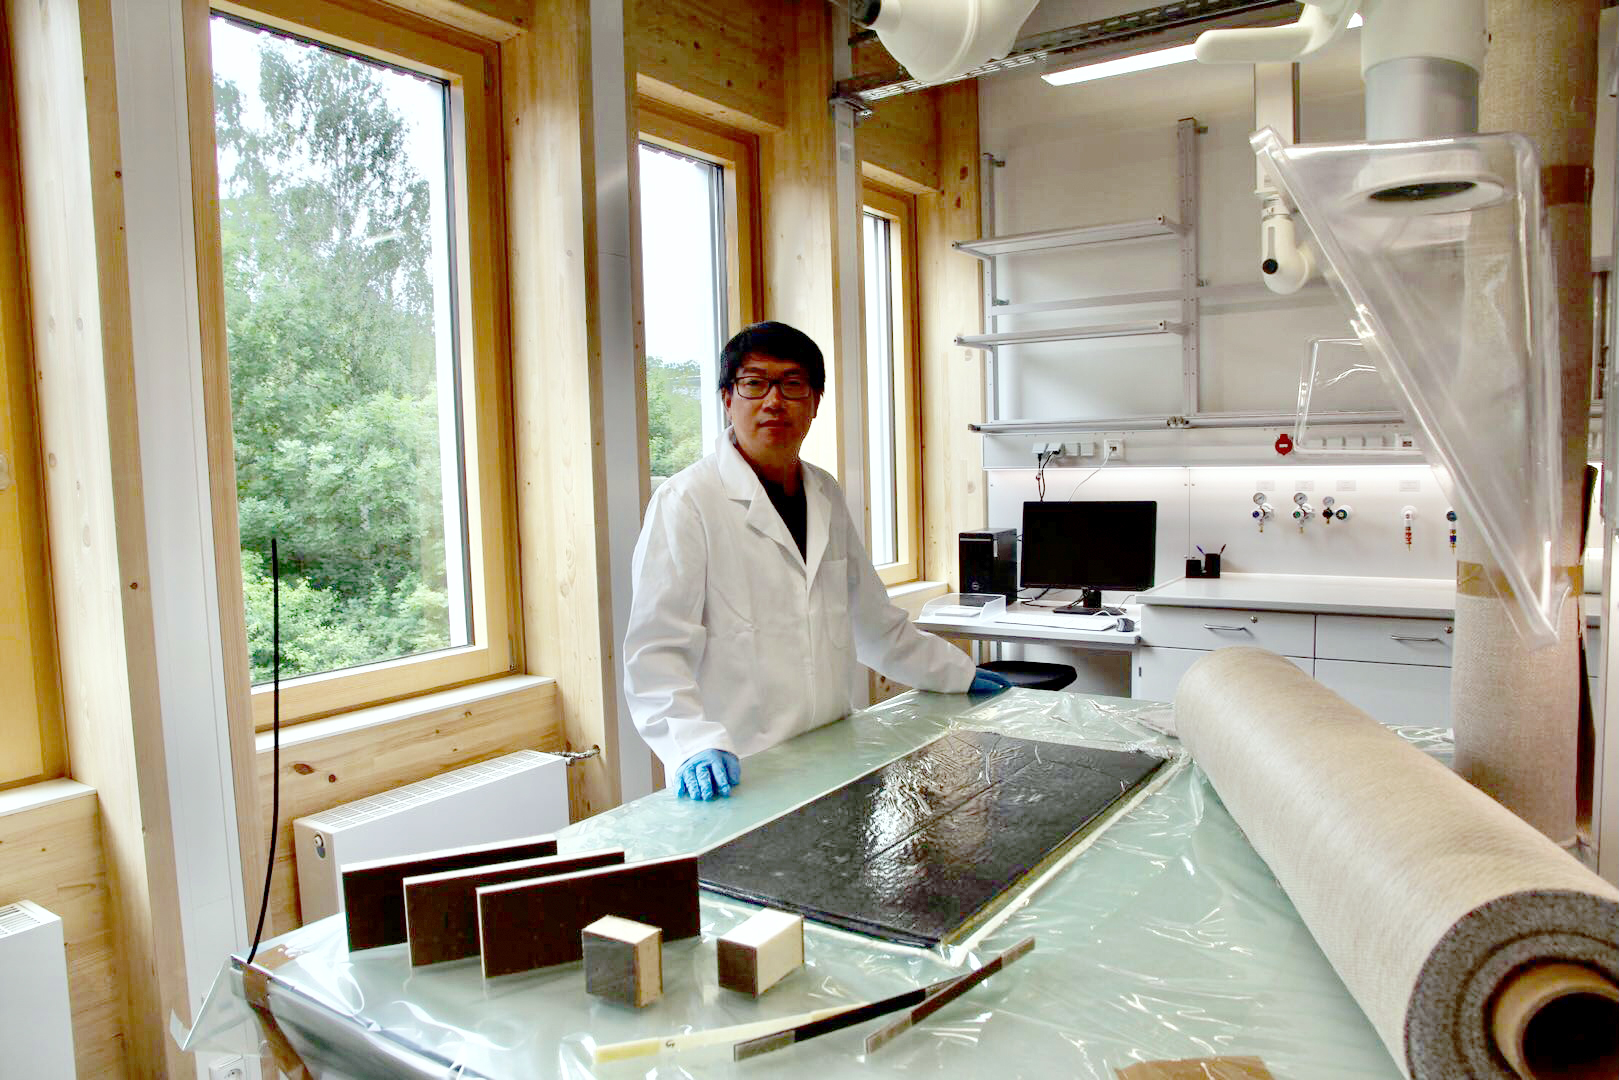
938,40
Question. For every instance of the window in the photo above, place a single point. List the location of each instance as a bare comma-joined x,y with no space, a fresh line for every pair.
696,271
32,746
889,278
358,222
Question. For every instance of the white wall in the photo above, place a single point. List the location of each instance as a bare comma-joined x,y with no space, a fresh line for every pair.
1105,152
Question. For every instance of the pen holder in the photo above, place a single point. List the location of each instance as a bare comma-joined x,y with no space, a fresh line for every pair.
1211,565
1194,568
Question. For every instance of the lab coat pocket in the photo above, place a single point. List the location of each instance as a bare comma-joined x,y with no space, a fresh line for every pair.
830,598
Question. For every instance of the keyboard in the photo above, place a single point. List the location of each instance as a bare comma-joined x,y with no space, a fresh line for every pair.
1064,622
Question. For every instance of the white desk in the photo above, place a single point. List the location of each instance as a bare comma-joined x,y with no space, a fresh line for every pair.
978,628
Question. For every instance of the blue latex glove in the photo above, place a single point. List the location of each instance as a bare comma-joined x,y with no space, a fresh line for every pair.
988,682
708,774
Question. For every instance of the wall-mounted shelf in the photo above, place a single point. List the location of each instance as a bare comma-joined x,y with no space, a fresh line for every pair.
1186,296
1072,333
1020,243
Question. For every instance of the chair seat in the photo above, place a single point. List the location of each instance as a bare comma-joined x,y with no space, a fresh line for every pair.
1032,674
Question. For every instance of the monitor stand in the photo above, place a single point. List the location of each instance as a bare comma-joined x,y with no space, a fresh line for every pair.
1089,603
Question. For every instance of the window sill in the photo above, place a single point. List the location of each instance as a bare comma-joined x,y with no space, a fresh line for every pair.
913,594
462,697
34,796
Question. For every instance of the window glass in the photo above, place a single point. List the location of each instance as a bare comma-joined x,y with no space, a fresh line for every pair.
344,367
880,388
683,277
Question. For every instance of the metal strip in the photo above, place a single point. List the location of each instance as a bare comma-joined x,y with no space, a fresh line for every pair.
1186,132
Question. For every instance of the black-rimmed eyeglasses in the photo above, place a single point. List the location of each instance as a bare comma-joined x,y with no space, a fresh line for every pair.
754,387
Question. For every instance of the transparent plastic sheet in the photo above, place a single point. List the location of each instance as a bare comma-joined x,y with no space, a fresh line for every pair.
1442,251
1166,937
1340,375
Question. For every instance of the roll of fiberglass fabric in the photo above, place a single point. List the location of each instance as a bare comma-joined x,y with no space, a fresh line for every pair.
1469,939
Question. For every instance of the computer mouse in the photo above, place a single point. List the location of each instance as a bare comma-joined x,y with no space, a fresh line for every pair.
1125,626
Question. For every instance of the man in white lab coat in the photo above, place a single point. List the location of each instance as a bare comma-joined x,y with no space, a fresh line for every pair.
755,602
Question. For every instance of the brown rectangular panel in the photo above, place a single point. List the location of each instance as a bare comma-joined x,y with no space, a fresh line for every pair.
531,924
374,895
441,910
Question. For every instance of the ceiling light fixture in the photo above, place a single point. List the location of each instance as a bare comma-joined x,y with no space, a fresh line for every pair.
1124,65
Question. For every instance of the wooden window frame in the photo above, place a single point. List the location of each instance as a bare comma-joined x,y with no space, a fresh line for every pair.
737,154
470,67
899,208
33,741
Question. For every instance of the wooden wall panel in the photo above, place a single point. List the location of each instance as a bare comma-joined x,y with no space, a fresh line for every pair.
72,196
899,142
952,387
52,855
798,186
328,771
556,396
716,59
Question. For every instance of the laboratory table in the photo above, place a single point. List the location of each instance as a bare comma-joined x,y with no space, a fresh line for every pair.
1164,938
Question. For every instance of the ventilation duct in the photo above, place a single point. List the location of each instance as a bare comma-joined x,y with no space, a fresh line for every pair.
939,40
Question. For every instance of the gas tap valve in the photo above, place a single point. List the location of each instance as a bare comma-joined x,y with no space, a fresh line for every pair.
1262,509
1450,516
1408,514
1326,509
1302,510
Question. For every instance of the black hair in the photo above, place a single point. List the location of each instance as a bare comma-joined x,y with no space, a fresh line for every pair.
775,341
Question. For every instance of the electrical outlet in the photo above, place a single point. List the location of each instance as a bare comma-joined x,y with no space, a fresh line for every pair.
1052,449
1087,449
1114,449
231,1068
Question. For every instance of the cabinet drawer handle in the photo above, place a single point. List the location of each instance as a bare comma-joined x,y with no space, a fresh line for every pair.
1215,626
1408,637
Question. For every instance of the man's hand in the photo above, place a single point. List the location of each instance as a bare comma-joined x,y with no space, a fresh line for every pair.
708,774
988,682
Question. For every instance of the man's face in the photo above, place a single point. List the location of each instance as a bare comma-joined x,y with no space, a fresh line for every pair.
770,429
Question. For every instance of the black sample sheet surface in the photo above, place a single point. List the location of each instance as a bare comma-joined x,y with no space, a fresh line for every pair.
920,849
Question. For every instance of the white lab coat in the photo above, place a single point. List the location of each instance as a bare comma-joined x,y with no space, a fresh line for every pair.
735,641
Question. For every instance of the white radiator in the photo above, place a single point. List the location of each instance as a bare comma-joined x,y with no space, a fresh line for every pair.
506,798
36,1020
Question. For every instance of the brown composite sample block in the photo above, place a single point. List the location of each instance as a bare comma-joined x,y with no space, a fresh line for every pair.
373,892
761,952
623,960
532,924
441,910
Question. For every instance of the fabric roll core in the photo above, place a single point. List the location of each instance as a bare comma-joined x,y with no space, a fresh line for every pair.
1558,1020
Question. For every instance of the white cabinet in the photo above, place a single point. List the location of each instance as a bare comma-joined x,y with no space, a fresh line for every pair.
1391,693
1384,641
1157,670
1398,670
1290,633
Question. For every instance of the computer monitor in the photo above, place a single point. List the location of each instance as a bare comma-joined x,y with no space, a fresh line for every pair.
1089,546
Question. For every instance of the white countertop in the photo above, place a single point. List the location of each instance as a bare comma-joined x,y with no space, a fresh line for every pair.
1424,598
1414,598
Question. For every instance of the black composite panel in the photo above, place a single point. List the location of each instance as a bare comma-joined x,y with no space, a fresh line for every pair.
921,849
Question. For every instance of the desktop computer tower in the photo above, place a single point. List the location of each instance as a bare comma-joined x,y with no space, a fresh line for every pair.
989,562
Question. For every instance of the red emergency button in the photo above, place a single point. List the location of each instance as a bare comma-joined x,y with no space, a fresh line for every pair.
1284,443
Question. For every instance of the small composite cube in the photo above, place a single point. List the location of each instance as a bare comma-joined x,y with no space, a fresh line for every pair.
623,960
761,952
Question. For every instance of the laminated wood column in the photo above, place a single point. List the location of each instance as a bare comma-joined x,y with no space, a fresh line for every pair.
1515,712
952,385
801,228
557,393
80,294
